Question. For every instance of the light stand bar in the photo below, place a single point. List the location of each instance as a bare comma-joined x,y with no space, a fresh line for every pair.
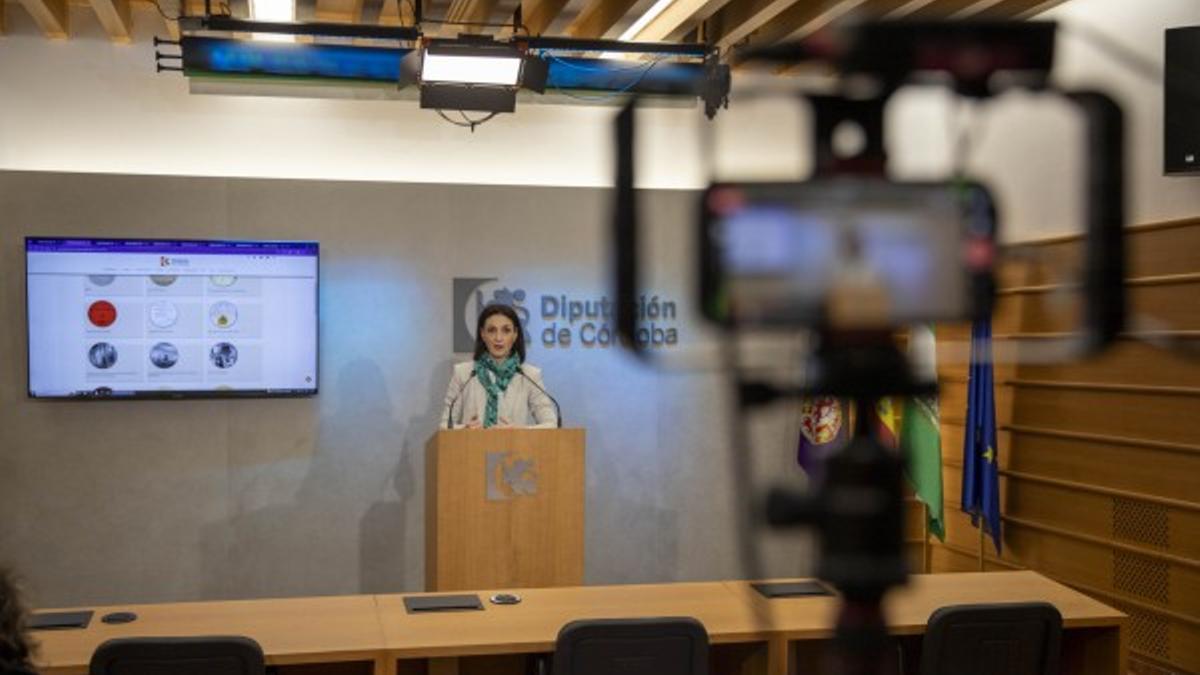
344,30
598,45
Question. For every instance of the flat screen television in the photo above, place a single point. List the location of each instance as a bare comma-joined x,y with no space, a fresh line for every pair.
152,318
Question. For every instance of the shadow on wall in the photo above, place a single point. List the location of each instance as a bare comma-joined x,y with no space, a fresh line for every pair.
620,504
281,541
392,532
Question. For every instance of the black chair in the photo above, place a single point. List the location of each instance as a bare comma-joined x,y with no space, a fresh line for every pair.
666,646
993,639
178,656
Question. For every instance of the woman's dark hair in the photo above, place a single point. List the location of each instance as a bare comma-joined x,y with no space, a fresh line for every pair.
16,647
507,311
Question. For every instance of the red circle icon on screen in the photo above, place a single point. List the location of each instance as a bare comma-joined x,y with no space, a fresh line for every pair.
102,314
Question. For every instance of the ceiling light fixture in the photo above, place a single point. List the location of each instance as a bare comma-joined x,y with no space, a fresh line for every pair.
273,11
479,74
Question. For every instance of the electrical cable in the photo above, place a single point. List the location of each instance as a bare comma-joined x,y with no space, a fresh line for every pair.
593,69
163,14
468,123
613,94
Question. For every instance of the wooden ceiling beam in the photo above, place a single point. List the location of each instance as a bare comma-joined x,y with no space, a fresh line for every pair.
598,17
472,11
1,17
115,17
802,19
1021,9
50,15
537,15
941,9
680,17
737,20
370,11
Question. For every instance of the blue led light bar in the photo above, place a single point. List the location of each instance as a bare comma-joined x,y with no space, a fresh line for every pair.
204,56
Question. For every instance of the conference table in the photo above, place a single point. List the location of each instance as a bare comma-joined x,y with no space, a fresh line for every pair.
373,634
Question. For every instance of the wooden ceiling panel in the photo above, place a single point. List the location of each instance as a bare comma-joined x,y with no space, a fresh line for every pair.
597,17
941,9
1019,9
50,15
468,11
737,20
680,17
115,17
724,23
537,15
802,19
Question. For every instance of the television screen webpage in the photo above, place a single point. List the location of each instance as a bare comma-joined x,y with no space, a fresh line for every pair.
157,318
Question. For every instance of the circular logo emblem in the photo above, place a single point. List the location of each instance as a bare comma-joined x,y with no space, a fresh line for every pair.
102,355
223,314
163,314
820,419
164,355
102,314
223,355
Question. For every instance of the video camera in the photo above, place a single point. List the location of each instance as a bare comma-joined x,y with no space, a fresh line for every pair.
854,256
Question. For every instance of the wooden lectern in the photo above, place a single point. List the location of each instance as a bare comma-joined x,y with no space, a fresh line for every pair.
504,509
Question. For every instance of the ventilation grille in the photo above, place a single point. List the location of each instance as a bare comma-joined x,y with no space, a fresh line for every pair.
1141,576
1148,633
1140,522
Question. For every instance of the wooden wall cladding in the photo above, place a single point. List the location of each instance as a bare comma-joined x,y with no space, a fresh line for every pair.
1100,460
1103,464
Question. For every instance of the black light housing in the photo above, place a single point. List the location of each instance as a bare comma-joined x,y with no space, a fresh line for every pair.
475,73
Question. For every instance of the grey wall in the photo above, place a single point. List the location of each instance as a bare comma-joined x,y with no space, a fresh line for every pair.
109,502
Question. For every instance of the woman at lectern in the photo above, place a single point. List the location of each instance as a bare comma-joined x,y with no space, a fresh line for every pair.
497,388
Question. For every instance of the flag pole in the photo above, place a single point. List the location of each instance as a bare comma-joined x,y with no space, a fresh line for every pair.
981,544
925,540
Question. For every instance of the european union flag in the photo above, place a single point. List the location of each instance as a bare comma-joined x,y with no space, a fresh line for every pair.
981,474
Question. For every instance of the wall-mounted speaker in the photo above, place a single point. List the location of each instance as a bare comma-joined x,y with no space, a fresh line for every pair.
1181,102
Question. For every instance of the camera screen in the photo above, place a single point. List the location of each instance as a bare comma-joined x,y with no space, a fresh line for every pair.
844,252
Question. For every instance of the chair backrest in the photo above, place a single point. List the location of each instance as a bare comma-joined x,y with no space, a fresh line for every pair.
993,639
222,655
662,646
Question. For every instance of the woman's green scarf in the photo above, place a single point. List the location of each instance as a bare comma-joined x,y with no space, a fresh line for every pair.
495,378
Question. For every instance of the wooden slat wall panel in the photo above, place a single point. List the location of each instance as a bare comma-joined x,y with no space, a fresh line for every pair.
1150,526
1164,418
1100,461
952,448
1128,362
915,555
948,560
1123,467
952,402
1058,310
1153,250
1151,582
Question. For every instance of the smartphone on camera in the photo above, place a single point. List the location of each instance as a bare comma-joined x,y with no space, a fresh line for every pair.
846,252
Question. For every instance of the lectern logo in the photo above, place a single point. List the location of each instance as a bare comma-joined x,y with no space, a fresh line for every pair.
509,475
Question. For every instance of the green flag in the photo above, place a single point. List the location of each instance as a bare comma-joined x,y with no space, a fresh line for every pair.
920,435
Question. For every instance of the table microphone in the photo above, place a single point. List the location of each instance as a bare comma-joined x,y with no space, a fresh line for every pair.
450,410
557,409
